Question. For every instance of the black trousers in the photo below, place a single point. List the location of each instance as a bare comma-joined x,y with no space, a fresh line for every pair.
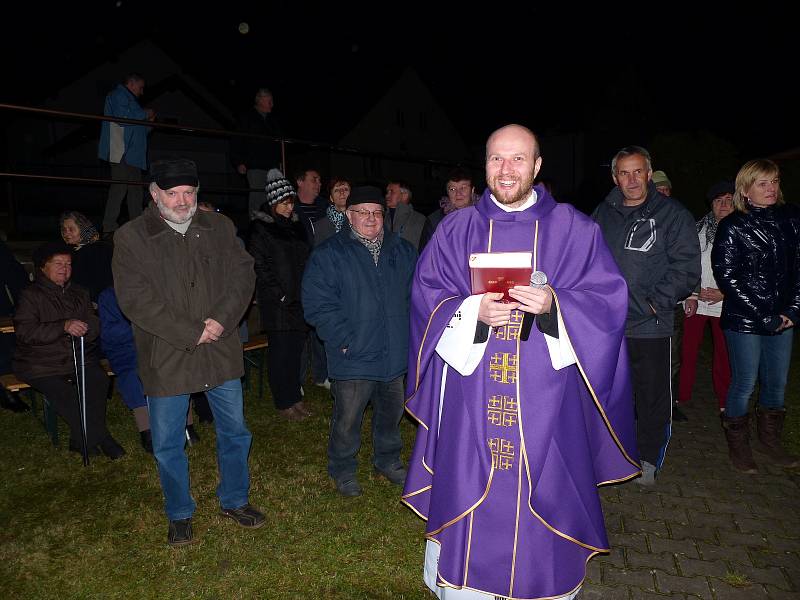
652,396
61,392
283,364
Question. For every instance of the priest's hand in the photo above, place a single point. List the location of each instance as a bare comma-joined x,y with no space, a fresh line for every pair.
495,313
533,300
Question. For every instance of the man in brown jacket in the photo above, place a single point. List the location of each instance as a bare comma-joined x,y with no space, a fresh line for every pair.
184,281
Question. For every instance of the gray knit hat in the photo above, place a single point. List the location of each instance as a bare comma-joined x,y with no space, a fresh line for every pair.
278,187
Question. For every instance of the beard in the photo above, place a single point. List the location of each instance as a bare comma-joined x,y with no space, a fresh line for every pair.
507,197
175,217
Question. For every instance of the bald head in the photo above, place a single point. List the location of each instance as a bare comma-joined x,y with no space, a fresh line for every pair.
514,133
512,162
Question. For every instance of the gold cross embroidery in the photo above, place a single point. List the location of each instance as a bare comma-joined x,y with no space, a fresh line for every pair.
510,331
503,367
502,453
502,411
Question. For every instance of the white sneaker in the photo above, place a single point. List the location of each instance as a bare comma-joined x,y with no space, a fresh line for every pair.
302,391
326,384
648,474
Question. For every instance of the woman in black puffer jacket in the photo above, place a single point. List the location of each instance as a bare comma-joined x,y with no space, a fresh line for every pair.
756,262
279,246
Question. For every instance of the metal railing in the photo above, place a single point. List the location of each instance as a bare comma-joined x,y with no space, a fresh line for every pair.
291,149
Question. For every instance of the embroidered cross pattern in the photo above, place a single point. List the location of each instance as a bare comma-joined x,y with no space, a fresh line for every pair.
502,453
510,331
503,367
502,411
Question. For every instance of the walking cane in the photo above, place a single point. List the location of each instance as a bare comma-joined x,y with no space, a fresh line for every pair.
80,388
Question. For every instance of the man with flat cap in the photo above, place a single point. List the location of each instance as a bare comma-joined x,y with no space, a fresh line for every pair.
184,281
356,291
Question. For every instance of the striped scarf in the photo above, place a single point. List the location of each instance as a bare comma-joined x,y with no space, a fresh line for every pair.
374,246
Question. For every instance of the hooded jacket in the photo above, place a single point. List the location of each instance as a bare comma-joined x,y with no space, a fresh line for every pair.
657,249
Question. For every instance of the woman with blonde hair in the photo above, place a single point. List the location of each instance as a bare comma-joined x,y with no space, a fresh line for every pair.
756,262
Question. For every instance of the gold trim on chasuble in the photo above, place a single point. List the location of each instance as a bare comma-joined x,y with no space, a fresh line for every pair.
597,402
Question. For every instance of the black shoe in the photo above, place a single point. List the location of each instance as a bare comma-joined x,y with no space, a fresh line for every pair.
396,474
76,447
191,435
108,236
110,447
12,402
147,440
678,414
348,488
180,532
246,516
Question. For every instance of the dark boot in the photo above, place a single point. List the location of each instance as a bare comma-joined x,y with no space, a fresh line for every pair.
147,440
737,432
770,427
110,447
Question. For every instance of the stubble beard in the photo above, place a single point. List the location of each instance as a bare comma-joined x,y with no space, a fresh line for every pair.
520,195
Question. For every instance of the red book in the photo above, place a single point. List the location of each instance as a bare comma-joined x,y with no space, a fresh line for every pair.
499,271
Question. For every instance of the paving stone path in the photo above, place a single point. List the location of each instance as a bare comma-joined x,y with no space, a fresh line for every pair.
703,530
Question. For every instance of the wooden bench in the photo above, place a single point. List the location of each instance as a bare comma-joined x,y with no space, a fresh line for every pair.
255,357
49,418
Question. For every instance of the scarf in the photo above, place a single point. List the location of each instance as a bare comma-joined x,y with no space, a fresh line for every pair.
710,223
374,246
335,217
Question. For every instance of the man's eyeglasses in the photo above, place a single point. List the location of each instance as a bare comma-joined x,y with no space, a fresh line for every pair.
364,213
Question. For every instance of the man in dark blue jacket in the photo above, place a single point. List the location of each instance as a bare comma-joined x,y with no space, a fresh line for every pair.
356,291
654,241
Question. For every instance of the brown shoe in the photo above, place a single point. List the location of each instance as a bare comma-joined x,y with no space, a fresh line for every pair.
302,409
291,414
769,423
737,432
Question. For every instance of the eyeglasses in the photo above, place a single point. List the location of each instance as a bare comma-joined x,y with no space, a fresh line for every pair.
364,213
461,188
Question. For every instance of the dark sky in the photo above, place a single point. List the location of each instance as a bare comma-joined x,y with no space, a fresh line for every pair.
629,71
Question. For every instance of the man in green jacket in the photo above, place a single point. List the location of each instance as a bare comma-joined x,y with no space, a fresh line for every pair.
184,281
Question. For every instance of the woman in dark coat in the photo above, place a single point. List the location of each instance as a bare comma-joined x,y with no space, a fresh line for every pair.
756,262
52,315
280,248
91,260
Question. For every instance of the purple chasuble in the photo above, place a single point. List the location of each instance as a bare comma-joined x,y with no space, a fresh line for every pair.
507,477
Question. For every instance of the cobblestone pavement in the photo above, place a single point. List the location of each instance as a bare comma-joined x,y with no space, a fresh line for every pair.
703,530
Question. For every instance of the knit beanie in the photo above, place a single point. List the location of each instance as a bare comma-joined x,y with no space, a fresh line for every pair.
278,187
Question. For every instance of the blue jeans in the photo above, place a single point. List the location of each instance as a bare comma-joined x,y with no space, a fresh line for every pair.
167,425
350,399
762,358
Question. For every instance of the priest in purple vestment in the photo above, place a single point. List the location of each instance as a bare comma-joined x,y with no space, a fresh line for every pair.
517,431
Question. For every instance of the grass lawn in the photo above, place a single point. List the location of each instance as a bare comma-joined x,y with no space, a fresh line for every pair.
99,532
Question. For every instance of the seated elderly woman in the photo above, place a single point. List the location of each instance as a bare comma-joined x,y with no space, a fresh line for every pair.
52,313
91,259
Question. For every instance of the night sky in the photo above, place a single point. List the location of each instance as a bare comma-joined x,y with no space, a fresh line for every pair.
621,72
